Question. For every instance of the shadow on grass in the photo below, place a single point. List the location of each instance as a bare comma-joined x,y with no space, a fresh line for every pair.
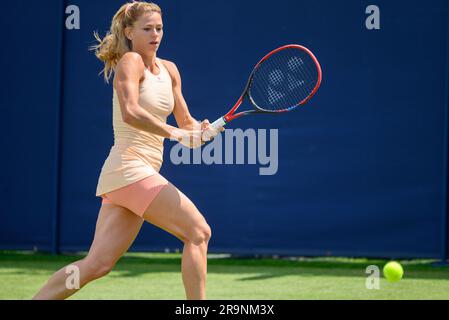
251,269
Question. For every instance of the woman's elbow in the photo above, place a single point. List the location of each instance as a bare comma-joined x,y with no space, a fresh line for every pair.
128,116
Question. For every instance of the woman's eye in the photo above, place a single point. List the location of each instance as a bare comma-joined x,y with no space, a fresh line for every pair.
149,29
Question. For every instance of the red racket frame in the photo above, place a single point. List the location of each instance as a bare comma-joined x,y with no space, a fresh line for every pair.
231,116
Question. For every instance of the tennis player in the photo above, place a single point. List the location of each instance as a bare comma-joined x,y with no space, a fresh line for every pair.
146,91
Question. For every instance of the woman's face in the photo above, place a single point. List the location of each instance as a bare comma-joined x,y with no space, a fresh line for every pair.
147,32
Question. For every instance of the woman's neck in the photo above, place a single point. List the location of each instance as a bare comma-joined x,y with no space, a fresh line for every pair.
150,61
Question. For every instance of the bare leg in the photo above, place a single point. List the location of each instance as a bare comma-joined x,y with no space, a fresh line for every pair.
194,270
116,229
172,211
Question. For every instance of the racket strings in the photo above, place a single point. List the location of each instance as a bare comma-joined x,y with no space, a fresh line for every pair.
296,78
296,65
284,80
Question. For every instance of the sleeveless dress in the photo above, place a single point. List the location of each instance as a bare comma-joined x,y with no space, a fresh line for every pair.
136,154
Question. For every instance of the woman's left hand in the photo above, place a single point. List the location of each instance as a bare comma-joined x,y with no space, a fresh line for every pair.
205,125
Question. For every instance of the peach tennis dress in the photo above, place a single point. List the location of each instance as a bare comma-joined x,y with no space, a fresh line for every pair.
130,175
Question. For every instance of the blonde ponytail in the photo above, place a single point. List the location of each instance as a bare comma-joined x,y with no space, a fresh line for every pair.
115,44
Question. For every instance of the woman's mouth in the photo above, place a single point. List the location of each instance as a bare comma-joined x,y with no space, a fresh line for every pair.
154,42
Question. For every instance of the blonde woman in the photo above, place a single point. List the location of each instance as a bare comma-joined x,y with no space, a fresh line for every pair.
146,91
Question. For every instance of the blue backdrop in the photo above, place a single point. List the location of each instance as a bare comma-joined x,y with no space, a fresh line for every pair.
362,168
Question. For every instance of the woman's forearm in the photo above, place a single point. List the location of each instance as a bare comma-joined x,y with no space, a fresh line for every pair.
143,120
190,124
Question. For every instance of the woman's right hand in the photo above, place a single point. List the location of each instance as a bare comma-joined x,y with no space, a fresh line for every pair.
190,138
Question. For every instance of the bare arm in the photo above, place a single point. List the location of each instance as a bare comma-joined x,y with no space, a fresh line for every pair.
128,74
181,112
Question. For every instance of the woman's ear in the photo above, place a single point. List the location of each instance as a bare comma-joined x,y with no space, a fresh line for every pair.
128,33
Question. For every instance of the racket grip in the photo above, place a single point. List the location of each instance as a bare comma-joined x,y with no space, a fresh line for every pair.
216,125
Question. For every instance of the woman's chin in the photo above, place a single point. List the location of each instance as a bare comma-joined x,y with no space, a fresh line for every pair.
153,47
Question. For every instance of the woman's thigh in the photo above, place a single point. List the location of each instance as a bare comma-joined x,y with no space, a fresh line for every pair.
116,230
172,211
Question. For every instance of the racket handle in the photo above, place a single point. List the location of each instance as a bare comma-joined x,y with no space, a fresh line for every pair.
216,125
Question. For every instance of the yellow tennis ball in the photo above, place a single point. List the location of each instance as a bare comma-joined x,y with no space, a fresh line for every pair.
393,271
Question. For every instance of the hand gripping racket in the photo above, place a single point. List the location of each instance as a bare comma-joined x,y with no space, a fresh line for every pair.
283,80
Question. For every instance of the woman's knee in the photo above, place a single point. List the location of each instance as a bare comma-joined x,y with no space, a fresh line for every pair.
199,234
98,267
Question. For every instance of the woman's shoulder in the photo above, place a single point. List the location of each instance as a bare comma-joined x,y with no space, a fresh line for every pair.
171,68
131,60
130,63
167,63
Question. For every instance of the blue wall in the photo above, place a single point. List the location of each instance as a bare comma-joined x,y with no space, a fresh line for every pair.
362,168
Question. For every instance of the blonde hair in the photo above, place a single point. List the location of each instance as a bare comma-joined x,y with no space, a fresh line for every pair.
115,44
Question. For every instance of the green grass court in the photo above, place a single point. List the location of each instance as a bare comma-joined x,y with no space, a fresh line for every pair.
154,276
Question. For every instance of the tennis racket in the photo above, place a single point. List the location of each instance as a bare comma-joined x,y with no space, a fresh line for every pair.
284,79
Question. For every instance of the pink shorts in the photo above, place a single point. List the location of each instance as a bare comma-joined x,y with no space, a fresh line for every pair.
137,196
